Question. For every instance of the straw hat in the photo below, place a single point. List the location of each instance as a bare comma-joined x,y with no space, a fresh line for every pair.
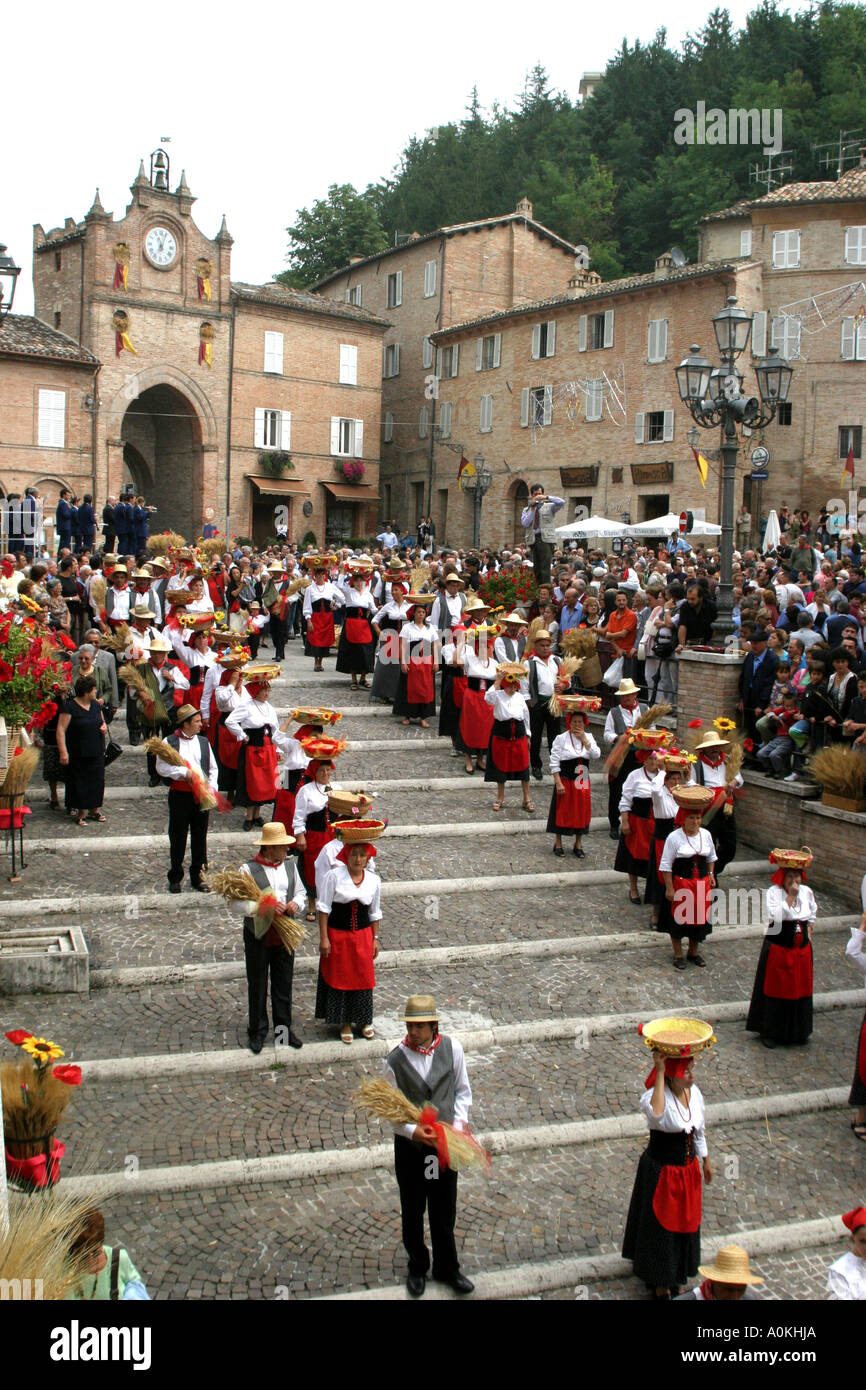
109,558
731,1266
712,740
120,569
693,798
420,1008
626,687
142,574
186,712
276,568
274,833
514,618
358,832
395,566
157,563
476,605
159,644
513,670
142,612
452,578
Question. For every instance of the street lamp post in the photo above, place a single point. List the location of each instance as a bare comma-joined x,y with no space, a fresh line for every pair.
9,273
715,398
480,484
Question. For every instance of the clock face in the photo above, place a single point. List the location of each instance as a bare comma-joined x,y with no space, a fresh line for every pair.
160,246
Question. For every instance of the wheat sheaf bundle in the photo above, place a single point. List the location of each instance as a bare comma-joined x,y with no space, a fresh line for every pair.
420,579
134,680
205,797
840,771
98,590
117,640
652,715
297,585
34,1245
384,1101
568,667
536,626
616,757
580,642
21,768
237,886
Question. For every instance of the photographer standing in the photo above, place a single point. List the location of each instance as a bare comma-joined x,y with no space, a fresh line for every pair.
539,530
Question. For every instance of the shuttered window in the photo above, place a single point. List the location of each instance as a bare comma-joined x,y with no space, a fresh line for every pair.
274,353
348,364
51,432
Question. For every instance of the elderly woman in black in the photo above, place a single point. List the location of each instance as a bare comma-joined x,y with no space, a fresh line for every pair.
80,733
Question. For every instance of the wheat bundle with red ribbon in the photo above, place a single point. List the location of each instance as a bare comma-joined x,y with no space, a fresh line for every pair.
616,756
567,668
116,640
455,1148
206,799
134,680
98,590
236,885
21,768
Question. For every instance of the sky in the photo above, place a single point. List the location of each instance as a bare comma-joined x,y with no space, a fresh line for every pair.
266,107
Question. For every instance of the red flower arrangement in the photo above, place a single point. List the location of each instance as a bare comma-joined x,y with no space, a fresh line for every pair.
29,669
67,1072
353,470
696,723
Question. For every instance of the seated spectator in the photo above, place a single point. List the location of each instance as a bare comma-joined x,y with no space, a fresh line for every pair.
774,755
842,685
854,727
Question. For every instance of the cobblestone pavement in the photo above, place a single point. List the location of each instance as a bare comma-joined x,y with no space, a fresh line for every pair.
337,1232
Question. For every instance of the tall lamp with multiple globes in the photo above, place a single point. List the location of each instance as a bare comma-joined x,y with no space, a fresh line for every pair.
715,398
9,273
478,483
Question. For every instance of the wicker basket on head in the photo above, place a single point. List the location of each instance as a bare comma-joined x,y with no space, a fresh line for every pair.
673,761
315,714
693,798
513,670
678,1037
792,858
261,671
358,832
178,597
580,704
343,803
650,739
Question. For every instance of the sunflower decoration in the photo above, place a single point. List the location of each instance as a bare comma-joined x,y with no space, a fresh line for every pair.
724,725
42,1051
29,603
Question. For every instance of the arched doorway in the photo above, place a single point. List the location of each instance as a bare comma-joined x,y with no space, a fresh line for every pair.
162,457
519,499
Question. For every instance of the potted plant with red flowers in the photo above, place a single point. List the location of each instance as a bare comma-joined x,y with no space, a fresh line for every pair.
35,1094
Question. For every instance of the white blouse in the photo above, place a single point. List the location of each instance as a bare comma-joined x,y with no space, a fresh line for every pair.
679,845
805,909
256,714
227,697
292,757
190,751
664,806
337,887
314,592
508,706
846,1279
679,1118
360,598
477,669
545,675
637,784
391,609
566,748
718,776
311,799
855,951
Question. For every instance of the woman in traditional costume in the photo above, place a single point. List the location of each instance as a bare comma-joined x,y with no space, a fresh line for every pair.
356,649
571,803
311,823
675,766
636,817
687,868
855,954
663,1227
227,696
846,1277
781,1005
416,688
711,771
387,625
320,599
476,716
349,916
508,748
256,726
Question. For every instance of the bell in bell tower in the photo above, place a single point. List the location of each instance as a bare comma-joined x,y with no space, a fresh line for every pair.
159,170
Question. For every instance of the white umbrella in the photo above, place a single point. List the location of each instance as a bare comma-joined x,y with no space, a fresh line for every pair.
773,533
592,526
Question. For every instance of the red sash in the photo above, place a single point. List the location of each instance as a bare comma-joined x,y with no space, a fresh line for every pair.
691,905
320,630
260,772
789,971
677,1199
358,631
228,748
350,962
510,754
574,807
419,682
476,719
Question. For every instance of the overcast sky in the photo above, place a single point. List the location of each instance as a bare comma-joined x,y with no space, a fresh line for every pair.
267,106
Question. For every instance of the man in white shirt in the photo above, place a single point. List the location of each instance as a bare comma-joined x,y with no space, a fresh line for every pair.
430,1069
263,950
184,816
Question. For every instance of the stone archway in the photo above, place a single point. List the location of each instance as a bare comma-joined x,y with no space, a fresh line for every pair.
519,499
161,433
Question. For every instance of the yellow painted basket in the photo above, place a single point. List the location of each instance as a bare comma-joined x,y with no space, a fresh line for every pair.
678,1037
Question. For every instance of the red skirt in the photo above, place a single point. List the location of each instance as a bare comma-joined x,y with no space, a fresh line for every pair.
357,630
637,841
573,810
228,748
350,963
260,773
692,901
320,630
476,720
677,1198
284,808
316,840
789,972
509,754
458,690
420,689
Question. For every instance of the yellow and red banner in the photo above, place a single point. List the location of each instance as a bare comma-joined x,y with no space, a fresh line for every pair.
204,271
703,467
122,340
848,470
121,265
205,345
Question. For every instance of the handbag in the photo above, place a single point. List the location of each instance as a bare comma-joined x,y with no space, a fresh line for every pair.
111,752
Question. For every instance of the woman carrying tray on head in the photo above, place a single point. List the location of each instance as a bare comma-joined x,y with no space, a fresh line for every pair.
416,688
356,649
571,804
387,624
311,823
476,715
855,954
636,811
676,768
508,749
686,866
663,1228
255,724
294,760
320,599
711,771
349,916
227,696
781,1005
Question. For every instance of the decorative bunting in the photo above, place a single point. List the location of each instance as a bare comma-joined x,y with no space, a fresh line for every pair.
121,265
120,322
204,271
205,345
848,470
703,467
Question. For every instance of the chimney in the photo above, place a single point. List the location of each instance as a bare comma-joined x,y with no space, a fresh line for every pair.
353,260
524,208
583,282
664,265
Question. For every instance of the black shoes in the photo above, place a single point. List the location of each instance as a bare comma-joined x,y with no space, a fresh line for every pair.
613,834
536,772
294,1040
154,781
459,1283
248,825
202,887
174,888
416,1284
256,1045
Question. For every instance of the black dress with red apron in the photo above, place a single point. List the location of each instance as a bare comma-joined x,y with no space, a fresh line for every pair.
858,1085
356,653
453,686
344,992
571,813
781,1006
319,637
632,852
284,806
690,874
193,696
655,884
386,675
257,769
721,826
476,718
318,832
227,749
663,1227
416,692
507,752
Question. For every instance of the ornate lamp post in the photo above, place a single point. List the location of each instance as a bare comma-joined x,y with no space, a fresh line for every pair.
478,484
715,398
9,273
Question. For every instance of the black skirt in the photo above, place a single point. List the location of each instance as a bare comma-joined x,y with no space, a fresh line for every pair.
655,888
858,1086
783,1020
85,784
355,658
449,714
663,1259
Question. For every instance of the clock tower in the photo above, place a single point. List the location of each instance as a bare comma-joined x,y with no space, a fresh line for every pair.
149,295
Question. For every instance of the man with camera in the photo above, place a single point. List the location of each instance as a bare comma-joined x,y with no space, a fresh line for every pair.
539,530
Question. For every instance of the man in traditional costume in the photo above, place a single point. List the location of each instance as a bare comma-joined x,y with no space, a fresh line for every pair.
264,953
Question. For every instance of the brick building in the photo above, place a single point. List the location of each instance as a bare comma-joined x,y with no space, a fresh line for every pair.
810,240
201,380
578,392
425,285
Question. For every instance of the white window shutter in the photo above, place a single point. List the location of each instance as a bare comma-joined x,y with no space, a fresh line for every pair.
397,355
662,339
746,243
638,427
547,415
479,349
438,368
536,342
759,333
388,432
497,348
274,352
455,358
608,328
399,299
384,361
581,333
524,407
359,438
422,422
427,353
860,349
651,340
779,247
285,429
445,420
793,248
52,419
259,437
551,337
335,434
847,340
668,427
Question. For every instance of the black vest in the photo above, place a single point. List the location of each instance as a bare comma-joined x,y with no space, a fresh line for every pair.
438,1089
